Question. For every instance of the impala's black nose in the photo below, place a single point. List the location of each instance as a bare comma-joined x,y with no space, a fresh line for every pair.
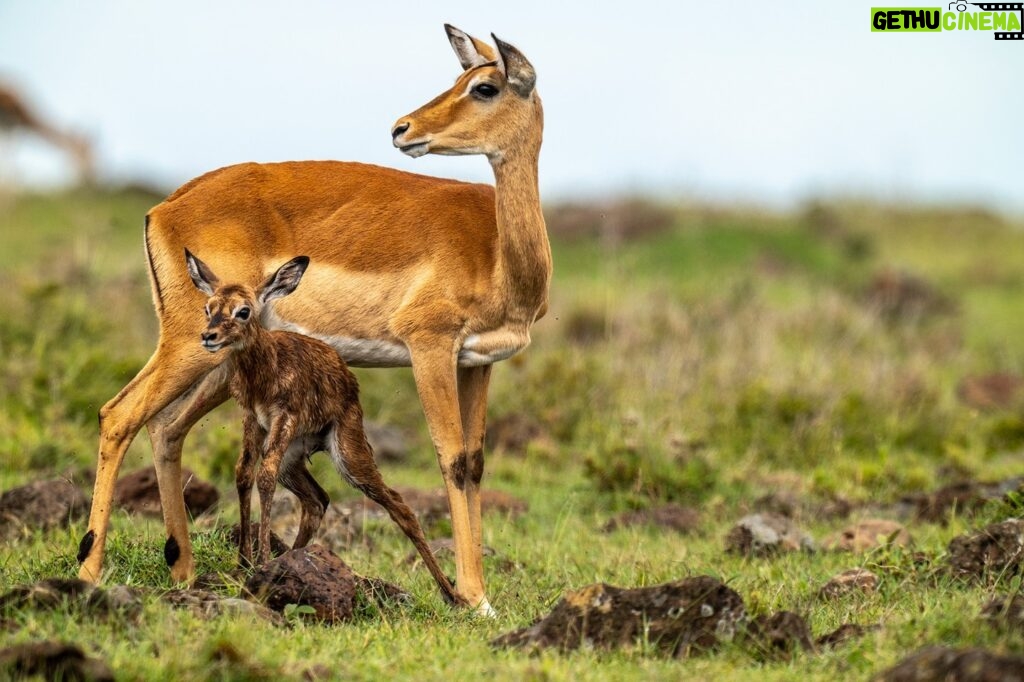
209,336
399,129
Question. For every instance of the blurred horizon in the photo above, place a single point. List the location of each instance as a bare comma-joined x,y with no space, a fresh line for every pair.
740,102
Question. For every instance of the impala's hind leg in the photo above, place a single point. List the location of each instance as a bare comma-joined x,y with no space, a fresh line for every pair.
167,375
354,459
314,500
473,383
253,437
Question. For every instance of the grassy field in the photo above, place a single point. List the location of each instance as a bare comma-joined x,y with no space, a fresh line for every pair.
729,355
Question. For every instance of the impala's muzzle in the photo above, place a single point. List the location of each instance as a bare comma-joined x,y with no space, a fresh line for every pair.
211,341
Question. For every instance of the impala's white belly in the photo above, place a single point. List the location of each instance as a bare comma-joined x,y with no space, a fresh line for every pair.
484,348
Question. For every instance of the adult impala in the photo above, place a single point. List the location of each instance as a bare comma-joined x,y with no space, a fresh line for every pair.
442,275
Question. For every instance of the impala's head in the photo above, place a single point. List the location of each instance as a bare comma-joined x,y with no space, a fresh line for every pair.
492,109
233,310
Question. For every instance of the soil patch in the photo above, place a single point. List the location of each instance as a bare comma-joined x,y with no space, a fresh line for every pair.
41,505
996,550
52,661
139,493
852,581
867,535
955,665
684,520
766,535
778,636
1005,612
680,618
996,391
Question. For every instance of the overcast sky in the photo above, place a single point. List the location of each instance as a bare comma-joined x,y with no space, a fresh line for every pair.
754,101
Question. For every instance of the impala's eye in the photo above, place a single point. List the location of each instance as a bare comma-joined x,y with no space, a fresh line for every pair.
484,91
242,314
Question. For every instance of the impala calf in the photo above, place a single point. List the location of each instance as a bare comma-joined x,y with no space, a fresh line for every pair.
298,398
443,275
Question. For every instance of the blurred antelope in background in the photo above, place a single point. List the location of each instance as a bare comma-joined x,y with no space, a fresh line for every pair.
442,275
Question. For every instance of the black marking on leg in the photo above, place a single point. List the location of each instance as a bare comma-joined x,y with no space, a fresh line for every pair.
172,552
458,471
476,466
85,546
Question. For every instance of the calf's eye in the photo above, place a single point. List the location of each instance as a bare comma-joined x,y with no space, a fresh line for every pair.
242,314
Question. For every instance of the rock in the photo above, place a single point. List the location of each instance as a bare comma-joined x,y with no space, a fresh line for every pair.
311,576
961,497
139,493
843,634
866,535
52,661
385,594
684,520
679,618
849,582
996,550
779,635
766,534
996,391
1005,612
513,433
277,546
955,665
41,505
389,443
207,605
897,296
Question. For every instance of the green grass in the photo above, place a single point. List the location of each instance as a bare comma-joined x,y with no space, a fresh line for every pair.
728,357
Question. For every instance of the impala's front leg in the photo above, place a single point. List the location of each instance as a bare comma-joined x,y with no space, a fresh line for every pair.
282,429
434,368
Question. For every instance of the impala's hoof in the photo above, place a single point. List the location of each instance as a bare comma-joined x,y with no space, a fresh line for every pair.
485,610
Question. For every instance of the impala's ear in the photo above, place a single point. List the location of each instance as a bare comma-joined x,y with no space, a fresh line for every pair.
470,51
284,281
201,274
517,69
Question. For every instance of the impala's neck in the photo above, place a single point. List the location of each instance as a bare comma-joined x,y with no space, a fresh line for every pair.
524,254
256,357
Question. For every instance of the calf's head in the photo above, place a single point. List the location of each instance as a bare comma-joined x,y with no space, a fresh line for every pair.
233,310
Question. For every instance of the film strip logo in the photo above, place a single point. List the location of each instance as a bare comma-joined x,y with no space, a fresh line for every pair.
998,7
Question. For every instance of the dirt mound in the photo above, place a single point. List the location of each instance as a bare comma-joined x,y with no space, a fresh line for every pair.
843,634
852,581
1005,612
766,535
961,497
778,636
997,391
314,577
867,535
389,443
41,505
206,605
680,618
955,665
139,493
52,661
53,593
684,520
996,550
900,296
512,433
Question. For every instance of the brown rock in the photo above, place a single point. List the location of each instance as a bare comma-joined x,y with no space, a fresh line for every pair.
995,391
765,535
675,517
41,505
866,535
309,576
1006,612
779,635
513,433
53,593
996,550
843,634
955,665
432,505
52,661
680,618
139,493
849,582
